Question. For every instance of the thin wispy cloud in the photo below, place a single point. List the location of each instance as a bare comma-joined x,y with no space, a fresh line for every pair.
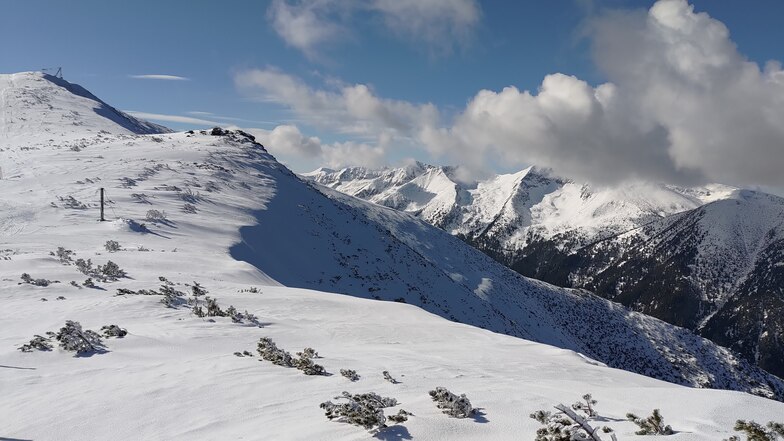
159,77
172,118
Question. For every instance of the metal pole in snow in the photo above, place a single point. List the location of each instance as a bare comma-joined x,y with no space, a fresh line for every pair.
102,218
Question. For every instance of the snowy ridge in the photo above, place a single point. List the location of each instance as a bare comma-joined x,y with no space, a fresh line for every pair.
223,198
36,106
714,270
516,208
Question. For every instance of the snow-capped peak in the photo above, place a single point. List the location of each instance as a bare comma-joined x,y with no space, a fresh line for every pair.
35,106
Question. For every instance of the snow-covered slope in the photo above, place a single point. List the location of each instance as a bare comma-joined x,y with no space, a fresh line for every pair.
704,258
36,106
223,198
715,269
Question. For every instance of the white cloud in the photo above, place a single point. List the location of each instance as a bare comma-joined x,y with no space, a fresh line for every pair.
287,142
351,109
309,24
159,77
681,105
172,118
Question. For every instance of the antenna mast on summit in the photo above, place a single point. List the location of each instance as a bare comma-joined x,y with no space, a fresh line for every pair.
57,74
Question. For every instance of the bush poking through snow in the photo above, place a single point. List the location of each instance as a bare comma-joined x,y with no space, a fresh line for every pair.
756,432
364,410
111,271
389,378
26,278
84,266
306,365
241,317
565,425
213,310
113,331
587,406
88,282
105,273
269,351
451,404
351,374
653,425
37,343
112,246
155,216
64,255
73,338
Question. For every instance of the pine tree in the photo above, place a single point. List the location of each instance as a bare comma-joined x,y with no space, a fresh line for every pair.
653,425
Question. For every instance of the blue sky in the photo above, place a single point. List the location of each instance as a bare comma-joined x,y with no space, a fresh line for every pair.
443,61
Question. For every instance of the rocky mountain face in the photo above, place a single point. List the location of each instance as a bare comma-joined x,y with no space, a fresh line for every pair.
707,259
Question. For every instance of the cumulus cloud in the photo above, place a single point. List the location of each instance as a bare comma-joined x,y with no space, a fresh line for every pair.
309,24
159,77
350,109
288,142
680,105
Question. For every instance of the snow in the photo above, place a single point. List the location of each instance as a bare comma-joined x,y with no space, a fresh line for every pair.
511,207
174,376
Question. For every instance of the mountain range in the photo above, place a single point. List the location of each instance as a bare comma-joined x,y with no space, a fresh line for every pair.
706,258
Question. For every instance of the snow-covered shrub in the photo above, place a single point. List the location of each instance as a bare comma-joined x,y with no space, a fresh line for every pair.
155,216
189,208
389,378
112,246
75,284
38,343
64,255
351,374
757,432
60,298
587,406
84,266
198,291
242,317
88,282
364,410
308,352
565,425
26,278
189,197
111,271
306,364
213,310
172,298
269,351
113,331
653,425
140,198
451,404
73,338
72,203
